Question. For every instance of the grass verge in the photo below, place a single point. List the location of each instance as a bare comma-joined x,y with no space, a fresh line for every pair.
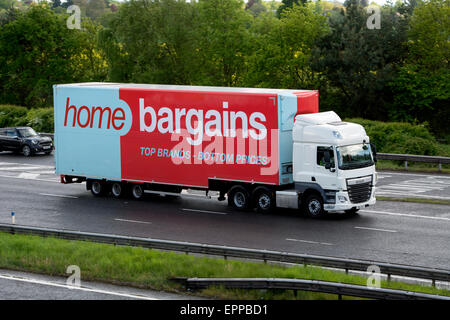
416,200
152,269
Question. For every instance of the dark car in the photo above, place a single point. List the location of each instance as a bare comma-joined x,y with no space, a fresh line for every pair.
25,140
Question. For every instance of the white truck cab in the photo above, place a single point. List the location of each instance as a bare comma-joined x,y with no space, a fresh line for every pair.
333,166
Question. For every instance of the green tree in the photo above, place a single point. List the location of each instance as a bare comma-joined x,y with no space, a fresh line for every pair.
37,50
149,41
222,42
283,49
289,4
422,87
7,4
360,62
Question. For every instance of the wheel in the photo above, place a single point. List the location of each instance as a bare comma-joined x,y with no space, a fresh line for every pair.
137,191
26,150
352,212
264,201
239,198
117,190
313,206
98,188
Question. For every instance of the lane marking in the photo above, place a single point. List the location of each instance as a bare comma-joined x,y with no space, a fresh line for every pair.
406,215
48,283
309,241
58,195
133,221
27,175
204,211
36,179
375,229
431,175
412,195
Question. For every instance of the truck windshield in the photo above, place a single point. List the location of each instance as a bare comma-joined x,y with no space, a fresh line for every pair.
27,132
354,156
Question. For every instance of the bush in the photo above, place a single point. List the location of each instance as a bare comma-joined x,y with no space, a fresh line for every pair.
10,115
400,137
40,119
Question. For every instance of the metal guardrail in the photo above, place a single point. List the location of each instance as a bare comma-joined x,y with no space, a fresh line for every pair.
340,289
224,251
414,158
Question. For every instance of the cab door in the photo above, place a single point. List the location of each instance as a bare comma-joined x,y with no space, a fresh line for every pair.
326,178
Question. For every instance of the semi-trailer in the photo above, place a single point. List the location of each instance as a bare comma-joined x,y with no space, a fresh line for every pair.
258,148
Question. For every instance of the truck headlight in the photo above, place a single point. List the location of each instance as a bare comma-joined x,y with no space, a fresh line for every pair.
342,199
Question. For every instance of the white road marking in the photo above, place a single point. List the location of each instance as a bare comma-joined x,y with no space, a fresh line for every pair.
46,180
204,211
133,221
407,194
417,175
21,168
27,175
309,241
375,229
58,195
54,284
406,215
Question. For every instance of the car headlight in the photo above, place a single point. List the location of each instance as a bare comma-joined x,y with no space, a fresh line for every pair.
342,199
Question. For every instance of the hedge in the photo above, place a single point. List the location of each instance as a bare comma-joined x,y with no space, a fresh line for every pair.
400,137
40,119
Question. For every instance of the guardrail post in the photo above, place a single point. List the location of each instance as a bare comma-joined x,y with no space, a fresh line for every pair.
389,277
406,164
440,166
433,283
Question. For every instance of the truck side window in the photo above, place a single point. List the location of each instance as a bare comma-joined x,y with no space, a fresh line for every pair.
321,156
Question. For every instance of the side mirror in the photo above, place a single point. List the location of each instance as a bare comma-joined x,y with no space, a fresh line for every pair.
374,151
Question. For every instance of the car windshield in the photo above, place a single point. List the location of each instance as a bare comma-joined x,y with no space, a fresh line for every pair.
27,132
355,156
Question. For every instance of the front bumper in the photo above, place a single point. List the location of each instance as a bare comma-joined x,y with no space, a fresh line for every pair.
40,148
347,205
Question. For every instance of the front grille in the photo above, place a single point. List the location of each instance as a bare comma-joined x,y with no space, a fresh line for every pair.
360,192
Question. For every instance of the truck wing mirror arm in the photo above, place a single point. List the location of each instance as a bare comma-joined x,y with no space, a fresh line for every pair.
374,151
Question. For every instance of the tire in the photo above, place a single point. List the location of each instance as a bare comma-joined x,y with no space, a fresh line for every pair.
117,190
264,201
137,191
27,151
313,206
239,198
98,188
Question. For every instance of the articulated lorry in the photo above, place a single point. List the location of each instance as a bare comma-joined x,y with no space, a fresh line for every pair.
258,148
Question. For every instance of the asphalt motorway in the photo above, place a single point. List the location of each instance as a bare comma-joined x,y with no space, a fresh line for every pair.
397,232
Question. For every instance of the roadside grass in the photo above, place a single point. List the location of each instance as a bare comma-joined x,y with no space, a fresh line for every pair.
415,200
153,269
